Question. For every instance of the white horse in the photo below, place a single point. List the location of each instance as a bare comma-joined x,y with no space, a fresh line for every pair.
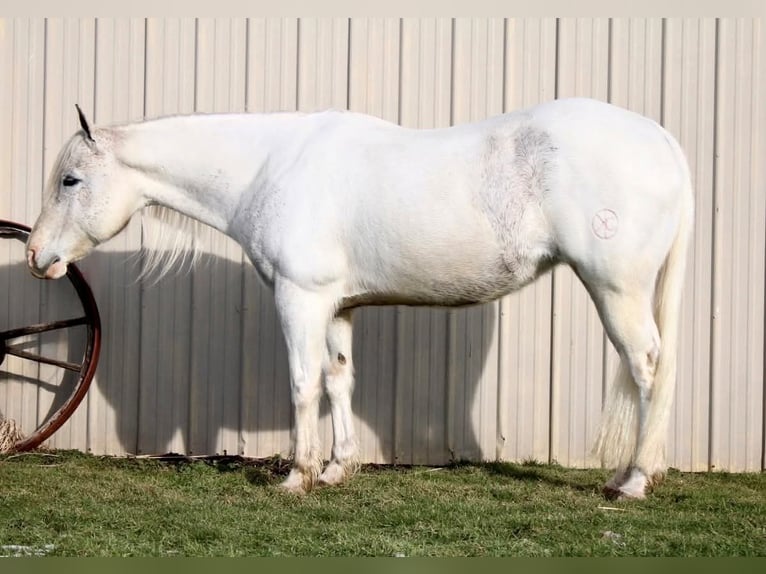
338,210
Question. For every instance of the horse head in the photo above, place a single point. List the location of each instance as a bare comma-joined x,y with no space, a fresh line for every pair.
88,199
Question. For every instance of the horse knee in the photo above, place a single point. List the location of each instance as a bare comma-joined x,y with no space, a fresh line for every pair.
305,393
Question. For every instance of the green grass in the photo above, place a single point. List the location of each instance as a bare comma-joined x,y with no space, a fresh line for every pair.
91,506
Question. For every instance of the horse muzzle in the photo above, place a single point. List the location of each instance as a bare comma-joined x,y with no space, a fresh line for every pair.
45,267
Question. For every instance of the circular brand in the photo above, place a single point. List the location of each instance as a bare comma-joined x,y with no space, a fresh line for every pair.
605,224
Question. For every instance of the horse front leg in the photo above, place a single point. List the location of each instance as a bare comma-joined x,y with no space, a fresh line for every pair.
304,316
339,384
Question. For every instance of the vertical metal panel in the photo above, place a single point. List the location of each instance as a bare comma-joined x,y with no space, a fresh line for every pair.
7,258
119,97
323,63
22,61
373,88
578,339
26,74
272,64
738,312
69,79
689,114
524,336
477,93
7,99
165,357
265,412
635,65
421,343
217,282
759,169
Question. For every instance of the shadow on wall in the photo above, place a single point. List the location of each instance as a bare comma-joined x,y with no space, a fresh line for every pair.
196,363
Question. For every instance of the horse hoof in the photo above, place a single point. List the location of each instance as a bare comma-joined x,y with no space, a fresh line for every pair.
295,483
630,485
297,490
619,493
333,475
610,492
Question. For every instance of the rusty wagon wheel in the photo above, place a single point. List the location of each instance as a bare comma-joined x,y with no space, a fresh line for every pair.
68,378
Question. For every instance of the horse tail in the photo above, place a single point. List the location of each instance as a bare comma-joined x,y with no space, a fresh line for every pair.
618,443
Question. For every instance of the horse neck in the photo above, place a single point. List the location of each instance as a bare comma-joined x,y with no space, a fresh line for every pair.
201,165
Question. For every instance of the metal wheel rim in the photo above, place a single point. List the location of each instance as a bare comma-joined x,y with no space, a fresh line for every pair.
92,321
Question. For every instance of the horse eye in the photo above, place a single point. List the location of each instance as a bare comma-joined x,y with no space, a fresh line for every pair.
69,181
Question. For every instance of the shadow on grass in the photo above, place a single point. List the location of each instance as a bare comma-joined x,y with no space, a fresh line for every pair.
270,470
550,474
257,471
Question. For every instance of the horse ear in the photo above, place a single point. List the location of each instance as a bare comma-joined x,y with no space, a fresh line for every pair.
84,123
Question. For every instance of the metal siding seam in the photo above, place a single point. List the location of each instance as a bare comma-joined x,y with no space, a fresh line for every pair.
760,179
242,395
714,254
7,70
554,370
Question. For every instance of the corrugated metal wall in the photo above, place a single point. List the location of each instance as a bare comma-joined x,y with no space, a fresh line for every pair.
195,363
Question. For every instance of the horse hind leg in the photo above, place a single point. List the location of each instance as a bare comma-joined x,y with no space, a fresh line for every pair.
624,440
338,371
339,382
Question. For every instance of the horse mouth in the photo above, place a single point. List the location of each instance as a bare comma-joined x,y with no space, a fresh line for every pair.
54,270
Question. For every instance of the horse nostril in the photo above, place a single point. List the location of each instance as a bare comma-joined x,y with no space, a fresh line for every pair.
31,257
34,262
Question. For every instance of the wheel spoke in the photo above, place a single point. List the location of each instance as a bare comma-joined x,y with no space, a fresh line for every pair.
13,234
16,352
84,372
42,328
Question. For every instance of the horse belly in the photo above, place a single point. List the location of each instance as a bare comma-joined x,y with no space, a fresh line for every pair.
465,267
466,234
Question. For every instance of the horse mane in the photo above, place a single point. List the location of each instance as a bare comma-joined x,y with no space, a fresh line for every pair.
169,240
